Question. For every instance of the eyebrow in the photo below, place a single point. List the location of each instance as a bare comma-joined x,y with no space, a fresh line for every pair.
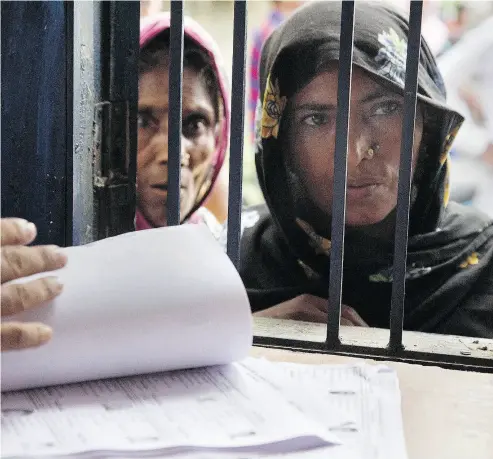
152,109
378,94
375,95
314,106
197,108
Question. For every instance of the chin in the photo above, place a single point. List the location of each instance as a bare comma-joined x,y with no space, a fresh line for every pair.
365,218
158,222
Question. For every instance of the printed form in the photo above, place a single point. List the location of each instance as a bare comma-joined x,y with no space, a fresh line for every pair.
359,403
217,408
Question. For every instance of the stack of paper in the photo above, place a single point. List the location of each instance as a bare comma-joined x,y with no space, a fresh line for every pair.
254,409
169,306
218,408
361,404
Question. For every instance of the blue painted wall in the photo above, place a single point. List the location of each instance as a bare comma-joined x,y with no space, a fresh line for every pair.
36,117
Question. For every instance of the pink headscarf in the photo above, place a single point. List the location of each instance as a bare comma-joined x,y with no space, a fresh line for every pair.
150,28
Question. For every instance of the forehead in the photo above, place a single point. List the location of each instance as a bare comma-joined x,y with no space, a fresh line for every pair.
323,88
154,90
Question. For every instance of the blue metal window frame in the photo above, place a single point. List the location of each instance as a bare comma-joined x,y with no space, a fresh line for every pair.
100,118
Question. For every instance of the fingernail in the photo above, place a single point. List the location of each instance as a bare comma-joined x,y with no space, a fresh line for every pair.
55,285
44,333
28,228
59,255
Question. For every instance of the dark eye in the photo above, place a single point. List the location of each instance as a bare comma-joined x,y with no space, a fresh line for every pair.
145,120
194,126
387,108
316,119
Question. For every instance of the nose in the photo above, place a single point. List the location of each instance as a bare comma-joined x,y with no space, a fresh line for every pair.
161,145
359,141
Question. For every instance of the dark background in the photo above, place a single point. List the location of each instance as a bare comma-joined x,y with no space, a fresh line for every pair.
36,144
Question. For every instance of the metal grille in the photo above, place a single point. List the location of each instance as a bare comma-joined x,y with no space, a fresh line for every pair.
395,349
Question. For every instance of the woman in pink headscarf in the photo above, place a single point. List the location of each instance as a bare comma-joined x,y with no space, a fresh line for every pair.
205,127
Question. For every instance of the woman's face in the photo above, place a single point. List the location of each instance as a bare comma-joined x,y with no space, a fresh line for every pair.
198,142
375,122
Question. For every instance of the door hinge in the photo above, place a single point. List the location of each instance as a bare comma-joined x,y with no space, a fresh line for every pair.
113,171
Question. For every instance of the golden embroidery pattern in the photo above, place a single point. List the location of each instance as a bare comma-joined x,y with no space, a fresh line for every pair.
471,260
321,245
309,272
446,192
272,109
448,144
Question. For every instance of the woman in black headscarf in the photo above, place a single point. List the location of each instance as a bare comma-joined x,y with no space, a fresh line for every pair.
286,245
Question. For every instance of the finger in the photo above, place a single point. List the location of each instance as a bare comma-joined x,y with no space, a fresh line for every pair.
18,335
310,315
18,261
294,311
17,231
346,322
319,303
350,314
16,298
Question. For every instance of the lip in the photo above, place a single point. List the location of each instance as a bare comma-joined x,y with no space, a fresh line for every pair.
361,191
162,188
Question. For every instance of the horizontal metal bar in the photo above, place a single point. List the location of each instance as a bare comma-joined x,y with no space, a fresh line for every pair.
380,353
175,114
237,130
340,173
405,177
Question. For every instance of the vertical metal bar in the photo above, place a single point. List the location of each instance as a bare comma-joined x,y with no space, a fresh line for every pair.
174,114
115,157
69,123
405,177
340,173
237,127
87,82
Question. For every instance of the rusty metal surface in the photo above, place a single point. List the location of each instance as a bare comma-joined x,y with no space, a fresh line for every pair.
87,93
443,350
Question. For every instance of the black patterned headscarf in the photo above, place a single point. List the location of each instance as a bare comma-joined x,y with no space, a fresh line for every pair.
444,236
292,57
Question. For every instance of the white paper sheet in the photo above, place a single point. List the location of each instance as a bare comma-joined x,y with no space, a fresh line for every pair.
359,403
142,302
365,398
217,407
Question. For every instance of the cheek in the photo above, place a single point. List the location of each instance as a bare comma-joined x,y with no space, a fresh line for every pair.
390,137
144,150
202,149
313,155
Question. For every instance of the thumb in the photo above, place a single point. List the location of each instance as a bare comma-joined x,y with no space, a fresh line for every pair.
350,314
322,304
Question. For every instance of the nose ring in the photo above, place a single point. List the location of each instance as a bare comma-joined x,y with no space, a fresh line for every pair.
372,150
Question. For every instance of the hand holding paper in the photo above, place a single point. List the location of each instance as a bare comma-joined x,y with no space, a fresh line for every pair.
142,302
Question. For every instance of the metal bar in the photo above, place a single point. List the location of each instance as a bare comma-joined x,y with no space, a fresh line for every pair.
174,114
340,173
237,127
115,168
380,353
86,93
69,123
405,178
